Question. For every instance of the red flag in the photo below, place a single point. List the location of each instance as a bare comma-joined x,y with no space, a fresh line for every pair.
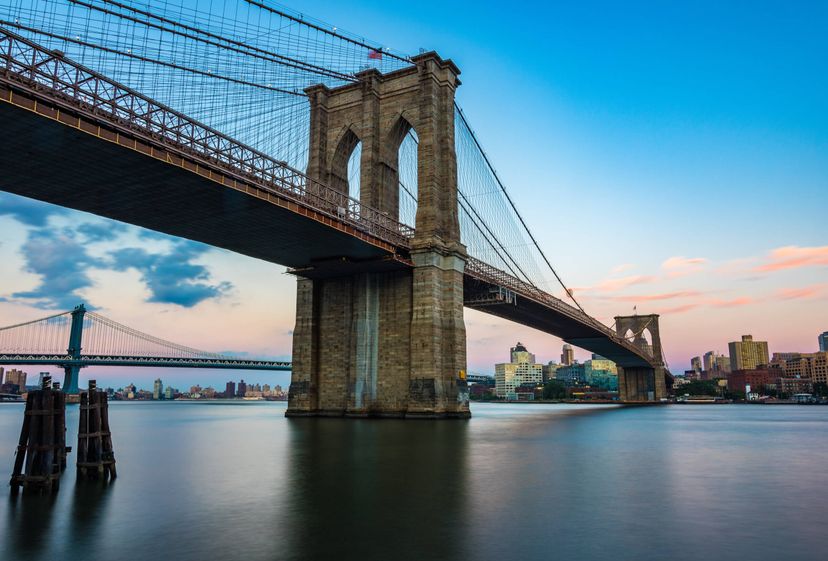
374,55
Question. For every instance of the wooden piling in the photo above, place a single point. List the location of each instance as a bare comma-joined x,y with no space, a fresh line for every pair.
96,458
42,444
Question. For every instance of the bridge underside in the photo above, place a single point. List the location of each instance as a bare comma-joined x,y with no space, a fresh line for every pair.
526,311
44,159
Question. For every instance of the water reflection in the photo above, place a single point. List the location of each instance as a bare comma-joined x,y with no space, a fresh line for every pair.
377,489
90,500
28,523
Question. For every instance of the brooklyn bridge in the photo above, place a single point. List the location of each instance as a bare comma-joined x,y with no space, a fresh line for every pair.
270,135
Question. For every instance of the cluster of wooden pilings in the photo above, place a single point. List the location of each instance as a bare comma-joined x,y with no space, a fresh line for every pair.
95,456
42,450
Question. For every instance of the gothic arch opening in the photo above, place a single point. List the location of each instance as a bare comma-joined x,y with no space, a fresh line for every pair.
407,156
341,163
354,171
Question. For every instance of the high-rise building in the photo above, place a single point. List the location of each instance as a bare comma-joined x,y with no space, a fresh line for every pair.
823,341
696,364
519,354
568,355
158,389
748,354
521,370
723,363
242,389
709,361
170,392
16,377
230,389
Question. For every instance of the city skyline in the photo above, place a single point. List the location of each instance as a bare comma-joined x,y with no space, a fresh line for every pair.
626,133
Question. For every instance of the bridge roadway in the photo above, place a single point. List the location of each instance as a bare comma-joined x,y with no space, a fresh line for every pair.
65,360
73,138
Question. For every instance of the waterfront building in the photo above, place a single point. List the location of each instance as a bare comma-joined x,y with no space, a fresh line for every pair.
811,366
823,341
748,354
158,389
230,389
242,389
696,364
752,380
521,370
601,372
169,392
15,377
567,355
723,364
709,361
572,375
549,370
791,386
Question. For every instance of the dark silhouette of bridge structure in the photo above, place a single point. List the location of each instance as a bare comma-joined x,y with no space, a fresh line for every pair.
298,144
78,338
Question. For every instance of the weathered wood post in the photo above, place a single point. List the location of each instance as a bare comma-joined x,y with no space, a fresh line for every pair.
96,458
41,450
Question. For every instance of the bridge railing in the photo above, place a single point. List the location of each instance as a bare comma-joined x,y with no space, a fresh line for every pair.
487,273
43,71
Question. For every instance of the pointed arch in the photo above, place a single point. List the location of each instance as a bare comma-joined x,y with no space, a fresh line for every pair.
401,167
348,141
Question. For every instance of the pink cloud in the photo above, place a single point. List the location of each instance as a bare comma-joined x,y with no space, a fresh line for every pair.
621,268
799,293
794,257
679,266
657,297
677,309
614,285
735,303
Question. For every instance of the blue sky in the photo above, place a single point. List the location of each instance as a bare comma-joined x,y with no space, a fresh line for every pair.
669,156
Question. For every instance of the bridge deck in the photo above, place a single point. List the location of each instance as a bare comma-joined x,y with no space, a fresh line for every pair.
45,159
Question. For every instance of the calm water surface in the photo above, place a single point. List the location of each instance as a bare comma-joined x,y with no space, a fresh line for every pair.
231,480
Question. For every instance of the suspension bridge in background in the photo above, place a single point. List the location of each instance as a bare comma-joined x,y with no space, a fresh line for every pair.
78,338
251,128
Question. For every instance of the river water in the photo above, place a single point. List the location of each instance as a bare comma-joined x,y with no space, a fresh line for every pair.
236,480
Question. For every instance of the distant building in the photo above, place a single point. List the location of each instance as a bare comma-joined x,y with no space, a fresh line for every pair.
723,364
823,341
230,389
696,364
15,377
242,389
567,355
158,389
748,354
601,373
170,392
549,370
709,361
572,375
811,366
521,370
792,386
753,380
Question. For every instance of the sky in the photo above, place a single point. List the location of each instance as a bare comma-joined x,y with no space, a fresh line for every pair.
669,157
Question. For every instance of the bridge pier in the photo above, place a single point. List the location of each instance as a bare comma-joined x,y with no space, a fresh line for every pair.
390,343
642,383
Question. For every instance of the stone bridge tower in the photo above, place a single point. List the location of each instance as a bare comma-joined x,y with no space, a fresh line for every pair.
387,343
642,383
